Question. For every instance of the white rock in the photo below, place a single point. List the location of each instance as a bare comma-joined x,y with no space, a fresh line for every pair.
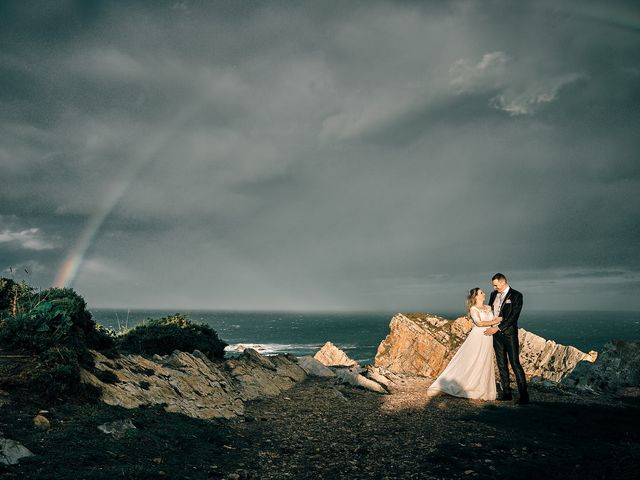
376,375
11,451
355,379
117,429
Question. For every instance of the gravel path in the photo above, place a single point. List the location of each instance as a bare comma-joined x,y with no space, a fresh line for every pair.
320,430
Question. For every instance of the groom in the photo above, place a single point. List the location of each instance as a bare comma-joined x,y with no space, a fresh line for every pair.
507,303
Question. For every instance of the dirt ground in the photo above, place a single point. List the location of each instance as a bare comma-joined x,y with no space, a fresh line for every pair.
318,430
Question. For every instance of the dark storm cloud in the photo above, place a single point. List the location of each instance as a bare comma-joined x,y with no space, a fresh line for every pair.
323,154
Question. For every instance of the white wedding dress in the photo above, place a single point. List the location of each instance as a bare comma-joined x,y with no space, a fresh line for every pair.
470,372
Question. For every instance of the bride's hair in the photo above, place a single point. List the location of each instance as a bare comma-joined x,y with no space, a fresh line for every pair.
471,298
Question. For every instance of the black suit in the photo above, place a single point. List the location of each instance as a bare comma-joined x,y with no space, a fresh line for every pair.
505,342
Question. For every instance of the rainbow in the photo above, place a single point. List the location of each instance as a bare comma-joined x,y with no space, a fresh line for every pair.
70,267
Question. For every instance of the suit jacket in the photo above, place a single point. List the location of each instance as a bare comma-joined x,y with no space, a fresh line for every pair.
509,311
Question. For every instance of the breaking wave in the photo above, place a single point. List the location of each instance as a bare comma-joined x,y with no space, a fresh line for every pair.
273,348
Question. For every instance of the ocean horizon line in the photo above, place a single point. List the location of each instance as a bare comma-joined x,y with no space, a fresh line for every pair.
435,311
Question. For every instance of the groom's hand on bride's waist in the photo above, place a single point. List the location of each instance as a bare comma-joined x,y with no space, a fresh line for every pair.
491,331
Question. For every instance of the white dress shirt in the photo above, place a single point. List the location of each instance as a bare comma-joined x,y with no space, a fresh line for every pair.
497,303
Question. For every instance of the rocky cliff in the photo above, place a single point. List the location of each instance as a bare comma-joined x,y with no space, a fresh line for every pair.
423,345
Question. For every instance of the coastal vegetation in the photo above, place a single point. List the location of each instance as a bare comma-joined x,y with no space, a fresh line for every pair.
52,332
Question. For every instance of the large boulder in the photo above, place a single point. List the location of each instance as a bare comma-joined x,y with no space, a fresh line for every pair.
420,345
616,370
332,356
423,345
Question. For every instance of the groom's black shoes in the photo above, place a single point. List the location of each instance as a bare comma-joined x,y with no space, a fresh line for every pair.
523,400
504,397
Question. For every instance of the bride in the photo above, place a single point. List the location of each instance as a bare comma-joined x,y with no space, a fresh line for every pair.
470,372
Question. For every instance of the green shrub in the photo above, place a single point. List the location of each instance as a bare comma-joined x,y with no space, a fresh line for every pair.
58,318
54,327
176,332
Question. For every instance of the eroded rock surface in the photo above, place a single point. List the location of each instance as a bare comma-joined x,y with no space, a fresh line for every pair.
258,376
547,359
420,345
192,384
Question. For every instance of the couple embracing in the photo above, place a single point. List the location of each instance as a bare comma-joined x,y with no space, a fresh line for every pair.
470,372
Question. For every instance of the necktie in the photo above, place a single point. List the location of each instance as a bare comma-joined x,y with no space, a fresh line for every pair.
499,303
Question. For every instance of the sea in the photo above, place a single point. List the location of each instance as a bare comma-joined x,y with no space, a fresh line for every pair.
359,334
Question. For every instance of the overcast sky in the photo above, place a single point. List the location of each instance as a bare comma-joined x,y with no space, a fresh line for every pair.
331,155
